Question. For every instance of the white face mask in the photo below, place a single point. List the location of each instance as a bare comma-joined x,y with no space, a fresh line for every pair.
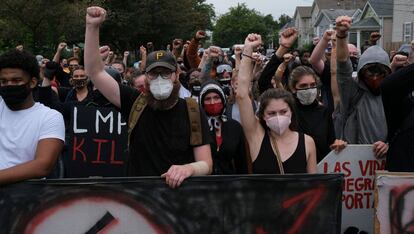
161,88
278,123
307,96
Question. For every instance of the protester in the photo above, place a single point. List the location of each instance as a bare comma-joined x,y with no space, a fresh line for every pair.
275,146
159,142
313,118
361,104
32,135
226,135
397,95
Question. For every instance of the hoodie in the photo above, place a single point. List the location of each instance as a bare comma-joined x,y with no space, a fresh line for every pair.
362,113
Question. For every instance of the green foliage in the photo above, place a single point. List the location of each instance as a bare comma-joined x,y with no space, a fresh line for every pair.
41,24
232,27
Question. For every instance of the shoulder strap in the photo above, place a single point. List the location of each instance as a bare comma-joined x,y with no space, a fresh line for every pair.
136,111
277,153
195,121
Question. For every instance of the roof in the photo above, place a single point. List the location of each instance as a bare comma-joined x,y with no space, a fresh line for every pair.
289,24
304,11
382,7
333,14
366,23
340,4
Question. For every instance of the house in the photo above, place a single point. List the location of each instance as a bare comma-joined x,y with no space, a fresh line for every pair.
319,5
377,15
302,18
326,19
402,29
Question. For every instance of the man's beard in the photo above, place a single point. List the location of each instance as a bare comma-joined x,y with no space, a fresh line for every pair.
167,103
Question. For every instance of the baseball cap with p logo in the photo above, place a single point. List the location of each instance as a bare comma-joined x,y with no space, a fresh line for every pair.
161,58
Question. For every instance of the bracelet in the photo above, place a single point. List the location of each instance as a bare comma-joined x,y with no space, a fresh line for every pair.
342,37
248,56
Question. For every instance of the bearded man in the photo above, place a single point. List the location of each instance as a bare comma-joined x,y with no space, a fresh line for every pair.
160,141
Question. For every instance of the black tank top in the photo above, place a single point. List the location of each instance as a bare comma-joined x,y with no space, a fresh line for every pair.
266,162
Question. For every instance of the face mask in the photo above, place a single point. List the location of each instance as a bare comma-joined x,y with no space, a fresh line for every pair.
373,86
79,83
354,61
213,109
307,96
278,123
195,90
14,95
161,88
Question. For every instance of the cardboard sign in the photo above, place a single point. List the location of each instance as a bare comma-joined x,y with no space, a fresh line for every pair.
97,143
394,203
358,164
212,204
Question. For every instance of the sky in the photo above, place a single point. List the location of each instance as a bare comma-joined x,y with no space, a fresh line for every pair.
273,7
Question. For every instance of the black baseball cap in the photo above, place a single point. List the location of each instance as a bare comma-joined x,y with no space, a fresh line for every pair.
161,58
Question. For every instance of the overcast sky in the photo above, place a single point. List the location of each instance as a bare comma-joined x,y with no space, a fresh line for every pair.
273,7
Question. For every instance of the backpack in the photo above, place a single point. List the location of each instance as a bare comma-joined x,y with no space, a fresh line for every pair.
193,115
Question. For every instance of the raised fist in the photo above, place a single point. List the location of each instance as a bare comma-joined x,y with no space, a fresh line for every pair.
288,37
95,15
76,49
399,61
126,53
200,35
375,36
315,40
343,24
104,52
142,50
287,58
62,46
214,51
328,34
253,40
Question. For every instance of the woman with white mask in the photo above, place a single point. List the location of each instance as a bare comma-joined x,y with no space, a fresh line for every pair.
313,118
276,147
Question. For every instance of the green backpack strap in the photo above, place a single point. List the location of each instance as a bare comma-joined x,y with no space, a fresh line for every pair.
136,111
195,121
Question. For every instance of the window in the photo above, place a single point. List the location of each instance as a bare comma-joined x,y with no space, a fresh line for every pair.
407,32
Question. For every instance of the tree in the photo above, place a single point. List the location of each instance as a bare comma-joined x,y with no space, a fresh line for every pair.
233,27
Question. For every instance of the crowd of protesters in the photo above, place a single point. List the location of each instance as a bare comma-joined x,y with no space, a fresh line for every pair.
197,111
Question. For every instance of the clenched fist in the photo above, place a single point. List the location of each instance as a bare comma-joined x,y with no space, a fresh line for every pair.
95,16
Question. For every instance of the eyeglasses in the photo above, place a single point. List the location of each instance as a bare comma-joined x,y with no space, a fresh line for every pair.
224,67
154,75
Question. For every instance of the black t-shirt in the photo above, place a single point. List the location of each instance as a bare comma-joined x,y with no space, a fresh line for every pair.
326,91
160,139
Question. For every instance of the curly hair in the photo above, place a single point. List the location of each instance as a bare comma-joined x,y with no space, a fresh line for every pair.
20,60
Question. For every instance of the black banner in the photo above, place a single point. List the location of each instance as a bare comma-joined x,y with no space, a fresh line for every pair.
213,204
97,143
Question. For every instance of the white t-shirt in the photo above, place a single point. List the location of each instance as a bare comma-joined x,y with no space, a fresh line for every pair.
20,131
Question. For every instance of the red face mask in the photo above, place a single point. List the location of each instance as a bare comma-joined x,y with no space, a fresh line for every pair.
213,109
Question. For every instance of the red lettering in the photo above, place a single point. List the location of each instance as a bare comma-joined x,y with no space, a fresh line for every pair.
362,168
345,167
77,148
313,196
337,167
113,160
358,201
325,168
98,154
368,195
349,185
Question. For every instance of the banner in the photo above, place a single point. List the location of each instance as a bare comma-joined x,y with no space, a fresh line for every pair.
394,203
212,204
358,164
97,143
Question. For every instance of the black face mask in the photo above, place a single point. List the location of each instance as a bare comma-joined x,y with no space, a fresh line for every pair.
14,95
225,84
354,61
195,90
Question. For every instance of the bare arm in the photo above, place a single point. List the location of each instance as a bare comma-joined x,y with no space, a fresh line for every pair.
46,154
249,122
334,83
143,51
319,51
93,65
58,53
343,24
310,155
